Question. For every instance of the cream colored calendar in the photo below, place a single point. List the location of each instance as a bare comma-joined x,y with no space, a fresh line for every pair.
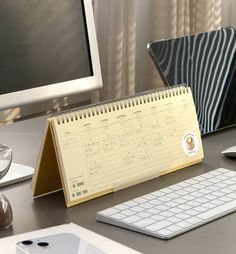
95,150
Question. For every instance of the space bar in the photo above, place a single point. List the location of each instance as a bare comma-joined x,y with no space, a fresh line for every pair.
218,210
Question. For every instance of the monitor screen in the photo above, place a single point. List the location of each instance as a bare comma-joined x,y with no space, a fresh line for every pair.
48,49
206,63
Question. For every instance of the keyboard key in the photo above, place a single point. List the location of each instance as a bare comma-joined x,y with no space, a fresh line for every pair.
190,189
175,187
130,203
121,207
228,182
216,172
199,186
193,204
174,219
164,232
166,214
157,217
209,206
183,216
181,192
207,175
222,177
205,191
217,202
137,209
144,222
200,179
206,183
176,210
180,200
192,181
225,199
192,212
118,216
230,174
173,228
173,195
131,219
166,190
231,195
155,202
146,205
202,200
163,207
158,194
214,180
149,197
185,206
189,197
128,212
232,187
184,184
183,224
171,204
159,225
197,194
194,220
222,170
164,199
233,178
153,211
218,194
218,210
201,209
226,190
213,188
143,214
210,197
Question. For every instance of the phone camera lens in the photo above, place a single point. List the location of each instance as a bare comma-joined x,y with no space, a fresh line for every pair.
43,244
27,242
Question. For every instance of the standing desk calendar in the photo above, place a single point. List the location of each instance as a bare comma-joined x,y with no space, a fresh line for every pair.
95,150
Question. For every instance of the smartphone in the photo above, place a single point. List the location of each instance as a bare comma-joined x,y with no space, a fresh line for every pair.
63,243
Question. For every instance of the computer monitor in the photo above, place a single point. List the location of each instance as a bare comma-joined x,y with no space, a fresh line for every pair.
48,49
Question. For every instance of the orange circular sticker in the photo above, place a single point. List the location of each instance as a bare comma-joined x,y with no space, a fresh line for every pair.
190,143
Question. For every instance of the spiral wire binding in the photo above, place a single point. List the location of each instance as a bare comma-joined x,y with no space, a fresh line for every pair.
113,105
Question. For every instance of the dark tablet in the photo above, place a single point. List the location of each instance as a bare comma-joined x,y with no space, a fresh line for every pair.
206,62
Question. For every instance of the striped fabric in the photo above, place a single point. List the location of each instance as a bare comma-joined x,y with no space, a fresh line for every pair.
206,62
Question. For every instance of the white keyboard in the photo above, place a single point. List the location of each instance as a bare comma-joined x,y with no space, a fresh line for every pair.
178,208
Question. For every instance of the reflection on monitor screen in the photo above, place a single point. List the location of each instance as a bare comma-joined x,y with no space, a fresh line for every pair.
206,63
48,49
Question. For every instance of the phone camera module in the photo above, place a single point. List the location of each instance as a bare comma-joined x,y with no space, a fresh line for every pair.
27,242
43,244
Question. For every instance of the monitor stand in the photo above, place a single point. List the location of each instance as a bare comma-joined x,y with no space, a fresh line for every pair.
17,173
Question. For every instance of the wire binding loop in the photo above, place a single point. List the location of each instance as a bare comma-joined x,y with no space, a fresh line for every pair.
105,108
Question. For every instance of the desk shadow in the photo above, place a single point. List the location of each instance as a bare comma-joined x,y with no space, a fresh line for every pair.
50,210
